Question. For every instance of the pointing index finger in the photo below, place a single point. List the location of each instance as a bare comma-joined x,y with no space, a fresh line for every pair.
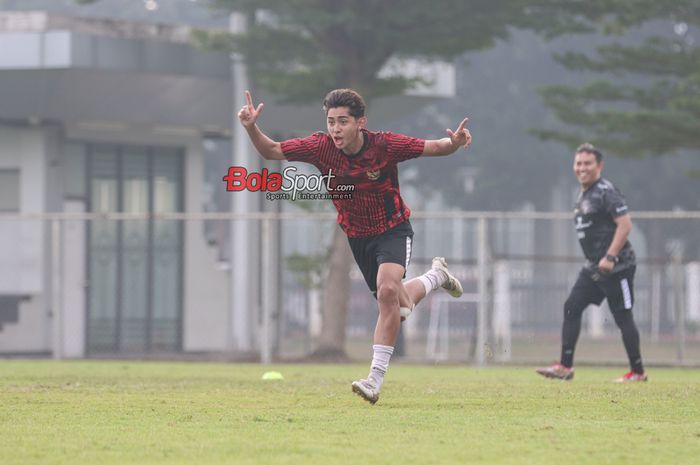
462,124
249,98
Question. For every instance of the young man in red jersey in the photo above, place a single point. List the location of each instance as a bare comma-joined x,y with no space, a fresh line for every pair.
375,219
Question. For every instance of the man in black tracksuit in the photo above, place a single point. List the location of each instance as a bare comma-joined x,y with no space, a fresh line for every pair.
602,224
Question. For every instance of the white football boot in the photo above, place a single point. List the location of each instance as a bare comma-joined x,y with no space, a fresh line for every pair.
366,389
451,284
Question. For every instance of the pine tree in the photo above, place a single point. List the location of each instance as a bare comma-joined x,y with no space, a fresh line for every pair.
646,98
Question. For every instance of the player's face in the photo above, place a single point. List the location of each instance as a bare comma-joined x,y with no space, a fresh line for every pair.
587,169
345,129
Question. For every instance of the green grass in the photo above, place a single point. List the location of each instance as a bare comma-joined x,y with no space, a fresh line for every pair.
96,412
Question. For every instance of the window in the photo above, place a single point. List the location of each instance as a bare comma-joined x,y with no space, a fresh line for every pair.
9,190
74,170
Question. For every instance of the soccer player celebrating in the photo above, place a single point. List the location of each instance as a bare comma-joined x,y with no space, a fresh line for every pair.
375,219
603,225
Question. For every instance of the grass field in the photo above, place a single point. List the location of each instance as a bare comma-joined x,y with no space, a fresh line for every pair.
111,412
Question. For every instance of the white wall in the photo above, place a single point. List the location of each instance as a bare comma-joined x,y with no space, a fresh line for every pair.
71,333
22,247
692,299
206,299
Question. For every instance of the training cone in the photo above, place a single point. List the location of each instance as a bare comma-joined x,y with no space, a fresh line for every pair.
272,375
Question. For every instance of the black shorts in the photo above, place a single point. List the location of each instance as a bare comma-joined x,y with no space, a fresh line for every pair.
592,287
392,246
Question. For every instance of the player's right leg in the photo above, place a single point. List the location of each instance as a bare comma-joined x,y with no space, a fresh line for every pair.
584,293
383,260
367,389
388,323
557,371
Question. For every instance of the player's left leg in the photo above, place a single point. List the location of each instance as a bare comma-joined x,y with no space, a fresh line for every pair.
619,289
418,288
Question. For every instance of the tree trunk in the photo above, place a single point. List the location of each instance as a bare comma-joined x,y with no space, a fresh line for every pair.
336,297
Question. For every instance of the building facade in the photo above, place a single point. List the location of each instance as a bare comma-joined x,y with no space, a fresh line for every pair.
122,116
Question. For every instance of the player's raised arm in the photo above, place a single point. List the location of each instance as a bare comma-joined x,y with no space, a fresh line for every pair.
461,137
248,116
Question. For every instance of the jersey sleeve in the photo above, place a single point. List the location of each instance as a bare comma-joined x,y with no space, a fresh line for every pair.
302,149
615,203
401,147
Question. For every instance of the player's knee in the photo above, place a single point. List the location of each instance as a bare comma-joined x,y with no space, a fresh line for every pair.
622,318
572,310
388,292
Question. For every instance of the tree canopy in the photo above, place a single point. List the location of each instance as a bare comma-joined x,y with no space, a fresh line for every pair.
300,48
644,98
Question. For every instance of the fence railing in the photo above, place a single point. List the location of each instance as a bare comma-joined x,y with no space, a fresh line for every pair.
87,284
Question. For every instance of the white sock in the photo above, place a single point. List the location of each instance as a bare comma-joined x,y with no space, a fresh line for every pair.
432,279
380,363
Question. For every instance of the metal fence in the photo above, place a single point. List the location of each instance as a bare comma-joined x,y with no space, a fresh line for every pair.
137,285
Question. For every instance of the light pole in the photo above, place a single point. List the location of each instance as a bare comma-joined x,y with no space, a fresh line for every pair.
245,243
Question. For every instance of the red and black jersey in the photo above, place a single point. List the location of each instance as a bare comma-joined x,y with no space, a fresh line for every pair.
376,204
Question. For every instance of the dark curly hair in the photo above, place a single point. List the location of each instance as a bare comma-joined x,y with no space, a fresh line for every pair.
345,98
